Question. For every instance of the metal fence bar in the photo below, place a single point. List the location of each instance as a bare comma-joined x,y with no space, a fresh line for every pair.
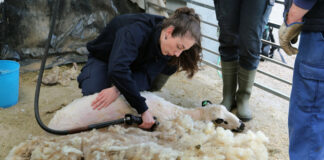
274,77
155,5
271,43
279,2
262,40
263,87
199,4
264,57
214,25
211,38
273,25
258,70
270,90
277,62
212,7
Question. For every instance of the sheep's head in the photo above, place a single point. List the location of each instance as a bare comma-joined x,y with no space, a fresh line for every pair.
220,116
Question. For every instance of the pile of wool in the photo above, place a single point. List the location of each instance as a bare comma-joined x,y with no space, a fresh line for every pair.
58,75
180,138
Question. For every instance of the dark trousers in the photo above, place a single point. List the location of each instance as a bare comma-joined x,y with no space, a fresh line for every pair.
241,25
93,76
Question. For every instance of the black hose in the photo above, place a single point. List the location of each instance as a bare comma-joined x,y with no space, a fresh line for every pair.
40,75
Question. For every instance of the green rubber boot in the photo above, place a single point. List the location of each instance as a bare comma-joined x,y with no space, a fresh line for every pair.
159,82
245,83
229,74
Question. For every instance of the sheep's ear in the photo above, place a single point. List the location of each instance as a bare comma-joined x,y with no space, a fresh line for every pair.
205,103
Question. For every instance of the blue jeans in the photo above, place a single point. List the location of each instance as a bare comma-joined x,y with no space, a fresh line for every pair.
241,25
306,109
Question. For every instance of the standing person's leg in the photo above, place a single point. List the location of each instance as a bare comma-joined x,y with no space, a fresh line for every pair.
253,17
93,76
306,109
227,13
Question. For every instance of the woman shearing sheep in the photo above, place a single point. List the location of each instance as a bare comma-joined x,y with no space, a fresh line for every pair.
136,52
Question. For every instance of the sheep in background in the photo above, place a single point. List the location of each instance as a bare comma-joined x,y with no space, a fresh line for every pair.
79,113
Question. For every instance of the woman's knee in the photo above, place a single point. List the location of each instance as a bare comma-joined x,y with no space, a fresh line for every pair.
93,77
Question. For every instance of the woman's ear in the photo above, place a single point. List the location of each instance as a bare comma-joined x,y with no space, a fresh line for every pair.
169,30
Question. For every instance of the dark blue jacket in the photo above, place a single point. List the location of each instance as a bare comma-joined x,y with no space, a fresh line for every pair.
130,46
314,19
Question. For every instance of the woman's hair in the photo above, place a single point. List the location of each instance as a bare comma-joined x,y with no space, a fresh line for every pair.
185,20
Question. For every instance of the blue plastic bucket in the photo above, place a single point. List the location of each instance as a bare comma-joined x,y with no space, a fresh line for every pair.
9,83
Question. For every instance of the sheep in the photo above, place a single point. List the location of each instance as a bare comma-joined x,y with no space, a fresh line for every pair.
79,113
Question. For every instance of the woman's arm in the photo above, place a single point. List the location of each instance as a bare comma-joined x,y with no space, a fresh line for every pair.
124,52
296,13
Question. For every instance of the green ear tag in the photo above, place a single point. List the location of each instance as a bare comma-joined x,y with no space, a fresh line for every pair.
205,102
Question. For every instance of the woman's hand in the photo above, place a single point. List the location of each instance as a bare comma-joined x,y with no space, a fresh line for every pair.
105,98
148,120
